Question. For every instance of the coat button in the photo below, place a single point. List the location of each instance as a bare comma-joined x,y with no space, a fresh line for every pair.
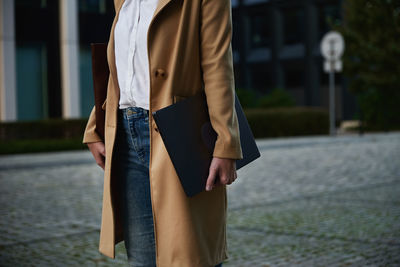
160,73
155,126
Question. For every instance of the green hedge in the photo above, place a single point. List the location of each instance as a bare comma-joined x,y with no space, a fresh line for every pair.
41,136
292,121
40,145
43,129
57,134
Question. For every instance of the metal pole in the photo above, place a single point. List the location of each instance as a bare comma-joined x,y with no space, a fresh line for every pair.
332,129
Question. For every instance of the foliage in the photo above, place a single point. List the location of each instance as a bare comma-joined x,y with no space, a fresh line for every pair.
380,110
247,98
292,121
41,136
42,129
277,98
371,30
40,145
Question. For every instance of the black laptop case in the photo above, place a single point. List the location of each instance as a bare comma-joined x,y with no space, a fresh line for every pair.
189,138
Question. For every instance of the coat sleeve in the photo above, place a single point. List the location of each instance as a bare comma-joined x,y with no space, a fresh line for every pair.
90,135
218,77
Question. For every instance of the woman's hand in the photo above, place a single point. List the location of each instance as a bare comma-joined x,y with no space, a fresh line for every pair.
99,152
222,168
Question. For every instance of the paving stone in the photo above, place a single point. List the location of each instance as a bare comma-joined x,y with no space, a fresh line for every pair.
308,201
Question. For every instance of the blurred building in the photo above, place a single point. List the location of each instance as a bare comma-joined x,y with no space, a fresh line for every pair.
45,67
277,45
45,60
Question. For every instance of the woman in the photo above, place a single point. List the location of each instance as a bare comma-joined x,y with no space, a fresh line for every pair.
159,52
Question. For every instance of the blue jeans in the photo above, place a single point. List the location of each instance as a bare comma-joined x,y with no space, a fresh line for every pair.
132,156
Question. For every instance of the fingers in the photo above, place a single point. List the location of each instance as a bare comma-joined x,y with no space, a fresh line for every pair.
102,150
227,174
99,153
99,156
228,178
225,178
222,172
211,179
100,160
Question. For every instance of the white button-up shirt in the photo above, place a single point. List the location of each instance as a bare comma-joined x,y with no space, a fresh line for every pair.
131,57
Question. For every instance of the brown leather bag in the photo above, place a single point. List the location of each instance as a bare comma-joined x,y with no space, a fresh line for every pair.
101,74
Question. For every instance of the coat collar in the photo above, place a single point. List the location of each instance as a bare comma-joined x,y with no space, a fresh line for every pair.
161,4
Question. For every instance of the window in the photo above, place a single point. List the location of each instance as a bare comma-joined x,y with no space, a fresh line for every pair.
293,25
31,3
235,32
294,74
260,77
95,20
93,6
294,79
37,59
260,31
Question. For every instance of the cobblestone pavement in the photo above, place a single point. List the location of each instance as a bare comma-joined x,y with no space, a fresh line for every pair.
314,201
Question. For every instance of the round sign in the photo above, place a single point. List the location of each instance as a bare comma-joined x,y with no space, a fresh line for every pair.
332,45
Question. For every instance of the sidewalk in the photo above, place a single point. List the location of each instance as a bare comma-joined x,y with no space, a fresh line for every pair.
310,201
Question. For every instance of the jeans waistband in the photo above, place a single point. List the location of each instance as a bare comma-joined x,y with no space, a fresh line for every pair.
134,112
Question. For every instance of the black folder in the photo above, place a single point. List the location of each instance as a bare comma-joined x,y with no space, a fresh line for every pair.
189,138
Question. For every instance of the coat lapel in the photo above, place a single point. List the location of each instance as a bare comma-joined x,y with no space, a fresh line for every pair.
113,69
161,4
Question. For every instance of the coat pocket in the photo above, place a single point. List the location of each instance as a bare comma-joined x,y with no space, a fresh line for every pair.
177,98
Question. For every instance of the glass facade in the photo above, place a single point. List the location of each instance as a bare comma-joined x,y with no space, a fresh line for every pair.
37,59
93,6
236,38
274,45
32,87
260,31
31,3
38,63
293,24
294,75
261,78
95,19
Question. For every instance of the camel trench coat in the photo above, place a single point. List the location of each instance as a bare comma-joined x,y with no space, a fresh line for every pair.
189,48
